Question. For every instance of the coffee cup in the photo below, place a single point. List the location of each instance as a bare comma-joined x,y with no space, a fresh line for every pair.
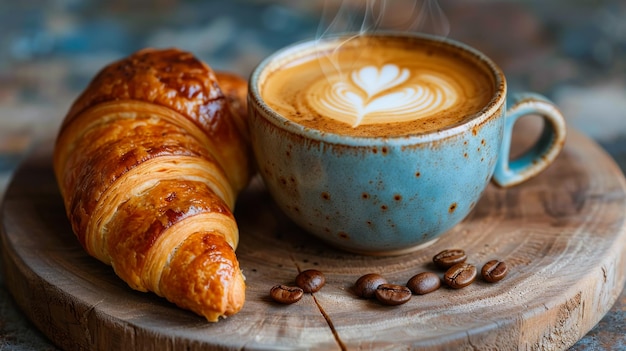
380,143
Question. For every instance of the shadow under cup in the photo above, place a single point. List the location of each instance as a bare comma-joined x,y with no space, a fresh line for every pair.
389,195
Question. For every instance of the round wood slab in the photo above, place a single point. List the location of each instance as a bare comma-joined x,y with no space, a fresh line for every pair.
562,234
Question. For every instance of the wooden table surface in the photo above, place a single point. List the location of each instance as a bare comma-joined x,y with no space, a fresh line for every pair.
556,219
571,51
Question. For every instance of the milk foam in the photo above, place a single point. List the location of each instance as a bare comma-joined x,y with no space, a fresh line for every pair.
377,86
371,95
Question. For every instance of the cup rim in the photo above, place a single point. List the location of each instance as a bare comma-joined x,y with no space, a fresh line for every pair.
496,102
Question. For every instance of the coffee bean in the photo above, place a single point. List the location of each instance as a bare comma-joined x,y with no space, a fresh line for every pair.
366,285
392,294
460,275
424,283
286,294
494,271
448,258
310,280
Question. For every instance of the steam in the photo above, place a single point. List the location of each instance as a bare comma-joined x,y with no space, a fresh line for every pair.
370,16
361,17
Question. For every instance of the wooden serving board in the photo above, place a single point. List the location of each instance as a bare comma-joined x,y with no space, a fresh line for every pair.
563,235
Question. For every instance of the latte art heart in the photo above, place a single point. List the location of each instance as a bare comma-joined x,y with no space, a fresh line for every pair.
373,80
387,94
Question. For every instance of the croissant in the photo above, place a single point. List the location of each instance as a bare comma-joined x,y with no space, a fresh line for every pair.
149,161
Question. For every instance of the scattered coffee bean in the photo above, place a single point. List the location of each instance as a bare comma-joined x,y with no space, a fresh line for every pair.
424,283
494,271
366,285
448,258
310,280
460,275
392,294
286,294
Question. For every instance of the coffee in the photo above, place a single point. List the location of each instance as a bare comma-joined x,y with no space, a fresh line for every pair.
286,294
448,258
378,86
460,275
392,294
311,280
366,285
424,283
401,183
494,271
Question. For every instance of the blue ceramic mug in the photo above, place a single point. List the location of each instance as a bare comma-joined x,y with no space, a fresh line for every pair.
388,195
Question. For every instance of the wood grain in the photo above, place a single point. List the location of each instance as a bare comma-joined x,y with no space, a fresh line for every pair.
563,235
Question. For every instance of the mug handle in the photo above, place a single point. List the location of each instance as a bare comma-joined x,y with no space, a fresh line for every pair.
512,172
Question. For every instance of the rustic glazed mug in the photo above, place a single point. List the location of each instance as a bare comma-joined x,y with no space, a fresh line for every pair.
392,187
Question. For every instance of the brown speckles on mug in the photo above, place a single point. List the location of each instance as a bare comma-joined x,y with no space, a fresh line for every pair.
452,207
289,148
384,150
325,196
344,235
397,197
288,181
365,196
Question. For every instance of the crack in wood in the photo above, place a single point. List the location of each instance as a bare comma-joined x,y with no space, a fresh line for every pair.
340,343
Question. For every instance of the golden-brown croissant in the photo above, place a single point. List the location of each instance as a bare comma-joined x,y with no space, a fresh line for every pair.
149,161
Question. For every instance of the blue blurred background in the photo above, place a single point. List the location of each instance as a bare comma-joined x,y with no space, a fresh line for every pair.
572,51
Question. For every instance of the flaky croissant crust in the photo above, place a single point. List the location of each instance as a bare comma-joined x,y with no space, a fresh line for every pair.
149,161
